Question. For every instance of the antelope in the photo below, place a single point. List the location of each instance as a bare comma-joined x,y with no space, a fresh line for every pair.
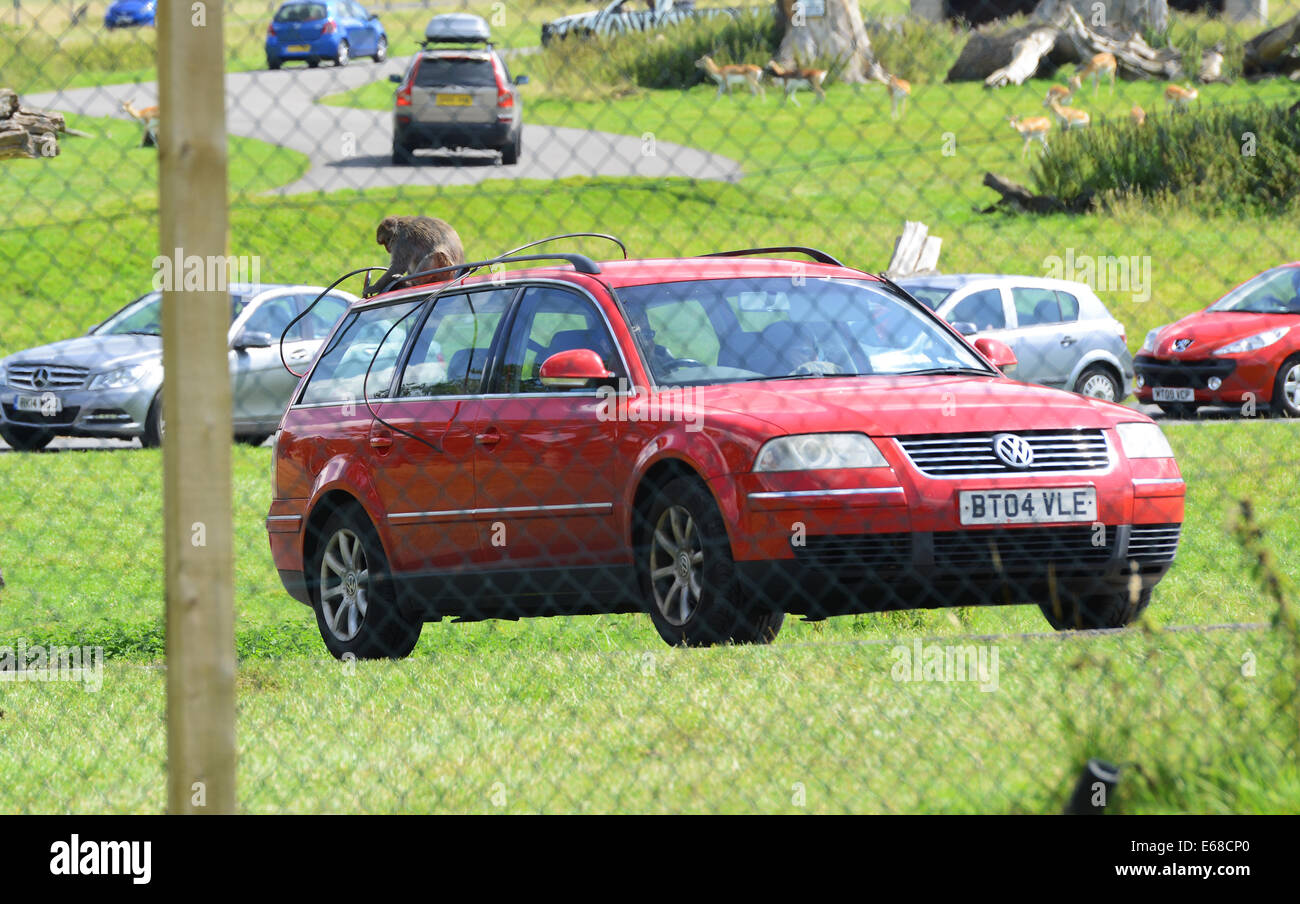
1031,128
794,79
726,76
1179,97
899,91
1138,115
1070,117
148,116
1100,66
1061,94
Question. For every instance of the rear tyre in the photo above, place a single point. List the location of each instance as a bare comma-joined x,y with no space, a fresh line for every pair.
688,576
343,54
252,439
510,153
354,595
154,425
1286,388
1179,410
1110,610
402,155
1099,382
26,439
313,63
272,63
381,50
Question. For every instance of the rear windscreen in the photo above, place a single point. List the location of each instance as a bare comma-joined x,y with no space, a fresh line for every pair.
301,12
437,72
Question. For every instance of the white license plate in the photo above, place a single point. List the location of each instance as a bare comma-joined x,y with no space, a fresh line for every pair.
1028,506
48,405
1173,394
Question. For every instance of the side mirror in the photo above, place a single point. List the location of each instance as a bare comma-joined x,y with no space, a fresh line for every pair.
373,18
395,79
577,367
998,353
252,339
521,79
964,327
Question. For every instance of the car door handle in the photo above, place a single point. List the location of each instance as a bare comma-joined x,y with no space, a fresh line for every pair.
300,355
1068,340
491,438
381,441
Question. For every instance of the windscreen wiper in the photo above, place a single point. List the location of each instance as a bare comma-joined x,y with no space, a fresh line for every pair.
956,371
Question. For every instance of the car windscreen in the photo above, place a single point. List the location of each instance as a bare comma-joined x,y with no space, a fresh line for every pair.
1275,291
144,316
301,12
933,296
736,330
437,72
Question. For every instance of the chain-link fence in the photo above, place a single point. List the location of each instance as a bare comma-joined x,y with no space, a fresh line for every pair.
685,509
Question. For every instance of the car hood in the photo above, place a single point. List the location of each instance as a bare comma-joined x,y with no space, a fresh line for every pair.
99,353
899,406
1209,330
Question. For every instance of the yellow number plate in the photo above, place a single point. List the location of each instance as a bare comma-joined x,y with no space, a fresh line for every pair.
298,48
454,100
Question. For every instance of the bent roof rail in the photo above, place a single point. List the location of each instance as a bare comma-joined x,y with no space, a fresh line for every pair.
816,254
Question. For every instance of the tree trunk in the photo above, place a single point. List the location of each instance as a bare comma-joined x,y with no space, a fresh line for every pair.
836,38
1026,54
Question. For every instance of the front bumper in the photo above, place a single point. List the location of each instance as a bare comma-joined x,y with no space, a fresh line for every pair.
1241,379
109,413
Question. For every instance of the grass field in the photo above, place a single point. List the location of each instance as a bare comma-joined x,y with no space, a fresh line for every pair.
594,714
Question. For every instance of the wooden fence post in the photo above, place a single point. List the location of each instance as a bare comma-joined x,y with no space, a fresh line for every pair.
196,408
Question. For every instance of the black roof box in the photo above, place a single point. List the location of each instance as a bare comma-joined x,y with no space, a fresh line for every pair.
457,28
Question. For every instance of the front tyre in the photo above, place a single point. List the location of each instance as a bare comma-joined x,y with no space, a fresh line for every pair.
353,593
1286,388
154,425
688,576
1110,610
26,439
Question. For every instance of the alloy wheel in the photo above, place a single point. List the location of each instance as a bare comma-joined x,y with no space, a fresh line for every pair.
344,584
676,565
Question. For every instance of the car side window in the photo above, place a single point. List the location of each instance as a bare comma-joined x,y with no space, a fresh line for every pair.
1069,306
982,309
321,319
272,316
1036,306
551,321
449,354
340,375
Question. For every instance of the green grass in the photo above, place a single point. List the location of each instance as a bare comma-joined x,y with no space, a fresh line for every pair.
819,728
89,570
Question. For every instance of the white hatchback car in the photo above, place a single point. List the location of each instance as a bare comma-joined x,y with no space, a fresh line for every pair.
1062,334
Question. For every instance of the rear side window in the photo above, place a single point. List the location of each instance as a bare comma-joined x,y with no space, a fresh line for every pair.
272,316
983,310
340,376
450,352
301,12
438,72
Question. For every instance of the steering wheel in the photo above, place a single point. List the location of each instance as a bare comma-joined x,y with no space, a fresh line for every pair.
818,367
684,362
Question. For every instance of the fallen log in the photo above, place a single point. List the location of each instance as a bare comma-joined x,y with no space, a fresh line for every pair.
27,133
1273,50
1017,196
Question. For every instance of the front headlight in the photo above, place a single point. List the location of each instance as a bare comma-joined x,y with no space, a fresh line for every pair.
819,451
122,377
1253,343
1149,345
1143,440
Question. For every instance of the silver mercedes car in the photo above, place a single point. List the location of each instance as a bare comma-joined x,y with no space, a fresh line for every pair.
108,383
1062,334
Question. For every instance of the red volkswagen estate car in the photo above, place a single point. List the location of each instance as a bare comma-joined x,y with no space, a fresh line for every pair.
1245,347
715,441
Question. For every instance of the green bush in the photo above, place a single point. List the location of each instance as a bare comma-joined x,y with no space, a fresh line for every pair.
917,51
1201,157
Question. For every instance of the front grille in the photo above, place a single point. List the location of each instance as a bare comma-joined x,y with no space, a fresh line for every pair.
960,454
66,416
40,377
1022,549
1181,373
857,552
1153,544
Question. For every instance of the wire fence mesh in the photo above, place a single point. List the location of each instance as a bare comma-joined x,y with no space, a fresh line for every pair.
600,525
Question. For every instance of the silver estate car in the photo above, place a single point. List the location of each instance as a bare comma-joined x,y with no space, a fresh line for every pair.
108,383
1062,334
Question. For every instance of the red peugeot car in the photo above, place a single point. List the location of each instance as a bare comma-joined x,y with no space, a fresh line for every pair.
1242,350
715,441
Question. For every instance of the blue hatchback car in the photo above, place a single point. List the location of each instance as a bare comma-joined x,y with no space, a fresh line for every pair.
315,30
130,13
